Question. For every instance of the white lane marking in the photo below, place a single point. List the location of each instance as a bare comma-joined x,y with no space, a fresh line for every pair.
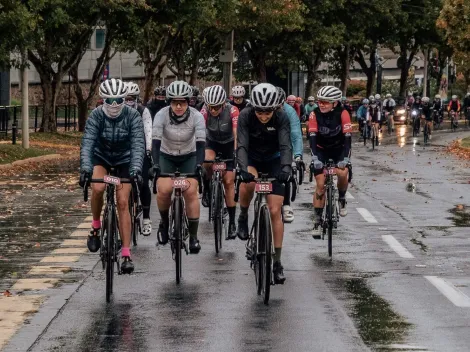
73,242
34,284
61,259
349,195
397,247
367,215
453,294
84,225
79,233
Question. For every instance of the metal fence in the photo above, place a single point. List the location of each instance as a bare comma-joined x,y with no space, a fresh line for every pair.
10,118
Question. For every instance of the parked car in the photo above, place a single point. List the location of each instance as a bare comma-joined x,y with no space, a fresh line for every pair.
400,113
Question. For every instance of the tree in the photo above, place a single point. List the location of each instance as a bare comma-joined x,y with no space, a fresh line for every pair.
453,20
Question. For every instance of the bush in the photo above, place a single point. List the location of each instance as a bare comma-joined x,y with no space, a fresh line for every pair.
355,87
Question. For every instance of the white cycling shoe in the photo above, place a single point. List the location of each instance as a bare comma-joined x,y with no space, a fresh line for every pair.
287,214
342,208
147,227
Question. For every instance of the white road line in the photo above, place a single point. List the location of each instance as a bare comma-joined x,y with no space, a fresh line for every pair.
452,293
349,195
367,215
397,247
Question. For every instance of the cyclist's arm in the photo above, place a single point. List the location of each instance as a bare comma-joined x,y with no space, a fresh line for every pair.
137,139
157,134
243,139
204,113
295,130
285,145
347,129
89,139
312,132
147,119
234,113
458,105
200,135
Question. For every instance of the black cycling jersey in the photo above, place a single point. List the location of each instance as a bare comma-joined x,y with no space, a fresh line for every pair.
241,106
263,141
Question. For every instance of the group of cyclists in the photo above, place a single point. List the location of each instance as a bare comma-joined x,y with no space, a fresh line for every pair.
175,132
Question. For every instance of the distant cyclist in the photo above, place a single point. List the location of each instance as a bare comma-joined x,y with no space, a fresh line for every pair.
238,98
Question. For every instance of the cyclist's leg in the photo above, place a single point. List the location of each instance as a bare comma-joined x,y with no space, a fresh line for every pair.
210,155
165,189
319,194
97,191
246,195
229,185
146,199
123,193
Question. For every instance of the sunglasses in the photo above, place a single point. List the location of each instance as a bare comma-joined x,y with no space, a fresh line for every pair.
110,101
265,111
179,102
215,107
131,98
324,102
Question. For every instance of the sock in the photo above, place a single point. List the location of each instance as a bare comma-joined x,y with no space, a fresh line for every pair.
277,254
193,225
165,215
243,211
342,194
231,214
319,211
146,212
96,224
125,252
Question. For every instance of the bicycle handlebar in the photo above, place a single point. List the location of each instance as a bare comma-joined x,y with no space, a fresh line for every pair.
100,180
263,178
218,161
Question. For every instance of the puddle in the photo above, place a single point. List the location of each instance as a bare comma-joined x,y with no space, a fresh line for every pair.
460,215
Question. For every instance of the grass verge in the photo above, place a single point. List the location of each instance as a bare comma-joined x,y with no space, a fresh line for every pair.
10,153
465,142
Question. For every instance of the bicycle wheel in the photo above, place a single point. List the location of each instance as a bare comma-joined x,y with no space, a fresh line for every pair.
364,134
110,253
132,212
217,218
265,248
330,209
426,132
373,138
177,234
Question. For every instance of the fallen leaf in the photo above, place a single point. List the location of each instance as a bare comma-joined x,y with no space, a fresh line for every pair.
7,293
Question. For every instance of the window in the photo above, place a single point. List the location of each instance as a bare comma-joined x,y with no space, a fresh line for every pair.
100,38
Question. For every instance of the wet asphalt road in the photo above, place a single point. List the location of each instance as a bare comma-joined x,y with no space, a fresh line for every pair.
369,297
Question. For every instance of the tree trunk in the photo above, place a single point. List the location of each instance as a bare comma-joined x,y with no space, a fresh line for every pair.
194,74
407,61
370,82
82,107
312,63
345,64
49,91
369,71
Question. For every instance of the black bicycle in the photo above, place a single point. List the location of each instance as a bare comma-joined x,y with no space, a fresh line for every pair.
109,249
453,121
135,209
436,118
178,229
426,132
217,210
260,248
330,216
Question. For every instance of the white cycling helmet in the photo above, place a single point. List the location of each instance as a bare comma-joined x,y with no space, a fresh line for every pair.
113,88
238,92
371,97
179,90
425,100
388,96
264,96
282,96
311,99
377,96
438,96
365,101
134,89
467,95
329,93
454,97
215,95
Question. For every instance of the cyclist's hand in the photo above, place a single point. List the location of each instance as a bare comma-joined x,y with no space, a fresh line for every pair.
316,164
247,177
137,178
154,171
198,170
85,179
343,163
148,155
298,158
284,176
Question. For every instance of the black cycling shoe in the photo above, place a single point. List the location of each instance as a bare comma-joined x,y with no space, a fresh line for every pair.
278,273
232,231
194,246
242,231
94,241
205,198
162,234
127,267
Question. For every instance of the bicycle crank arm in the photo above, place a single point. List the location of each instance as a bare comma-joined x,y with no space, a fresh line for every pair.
185,248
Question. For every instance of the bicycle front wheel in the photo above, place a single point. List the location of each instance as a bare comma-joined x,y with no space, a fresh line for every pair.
218,209
265,254
110,252
330,210
178,237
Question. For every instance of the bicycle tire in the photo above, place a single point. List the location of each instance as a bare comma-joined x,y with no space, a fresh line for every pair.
266,236
110,253
217,218
177,233
301,175
330,219
373,138
364,134
132,212
426,131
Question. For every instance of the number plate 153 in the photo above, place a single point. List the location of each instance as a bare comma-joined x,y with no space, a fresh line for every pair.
266,187
329,171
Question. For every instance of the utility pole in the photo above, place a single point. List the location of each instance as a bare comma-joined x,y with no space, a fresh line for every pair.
25,104
425,79
227,56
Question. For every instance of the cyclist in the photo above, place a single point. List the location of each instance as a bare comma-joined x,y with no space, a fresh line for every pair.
297,147
454,108
389,108
193,101
157,102
374,114
113,138
361,115
179,135
132,100
346,105
330,130
221,131
238,95
300,102
426,114
310,106
292,101
417,105
378,101
438,107
263,145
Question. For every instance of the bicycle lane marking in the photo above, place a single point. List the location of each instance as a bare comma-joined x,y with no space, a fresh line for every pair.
349,195
397,247
453,294
367,215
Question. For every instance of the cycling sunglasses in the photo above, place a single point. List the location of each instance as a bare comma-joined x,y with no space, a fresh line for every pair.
110,101
264,110
324,102
215,107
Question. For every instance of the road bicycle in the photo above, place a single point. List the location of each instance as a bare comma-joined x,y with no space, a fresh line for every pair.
135,209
